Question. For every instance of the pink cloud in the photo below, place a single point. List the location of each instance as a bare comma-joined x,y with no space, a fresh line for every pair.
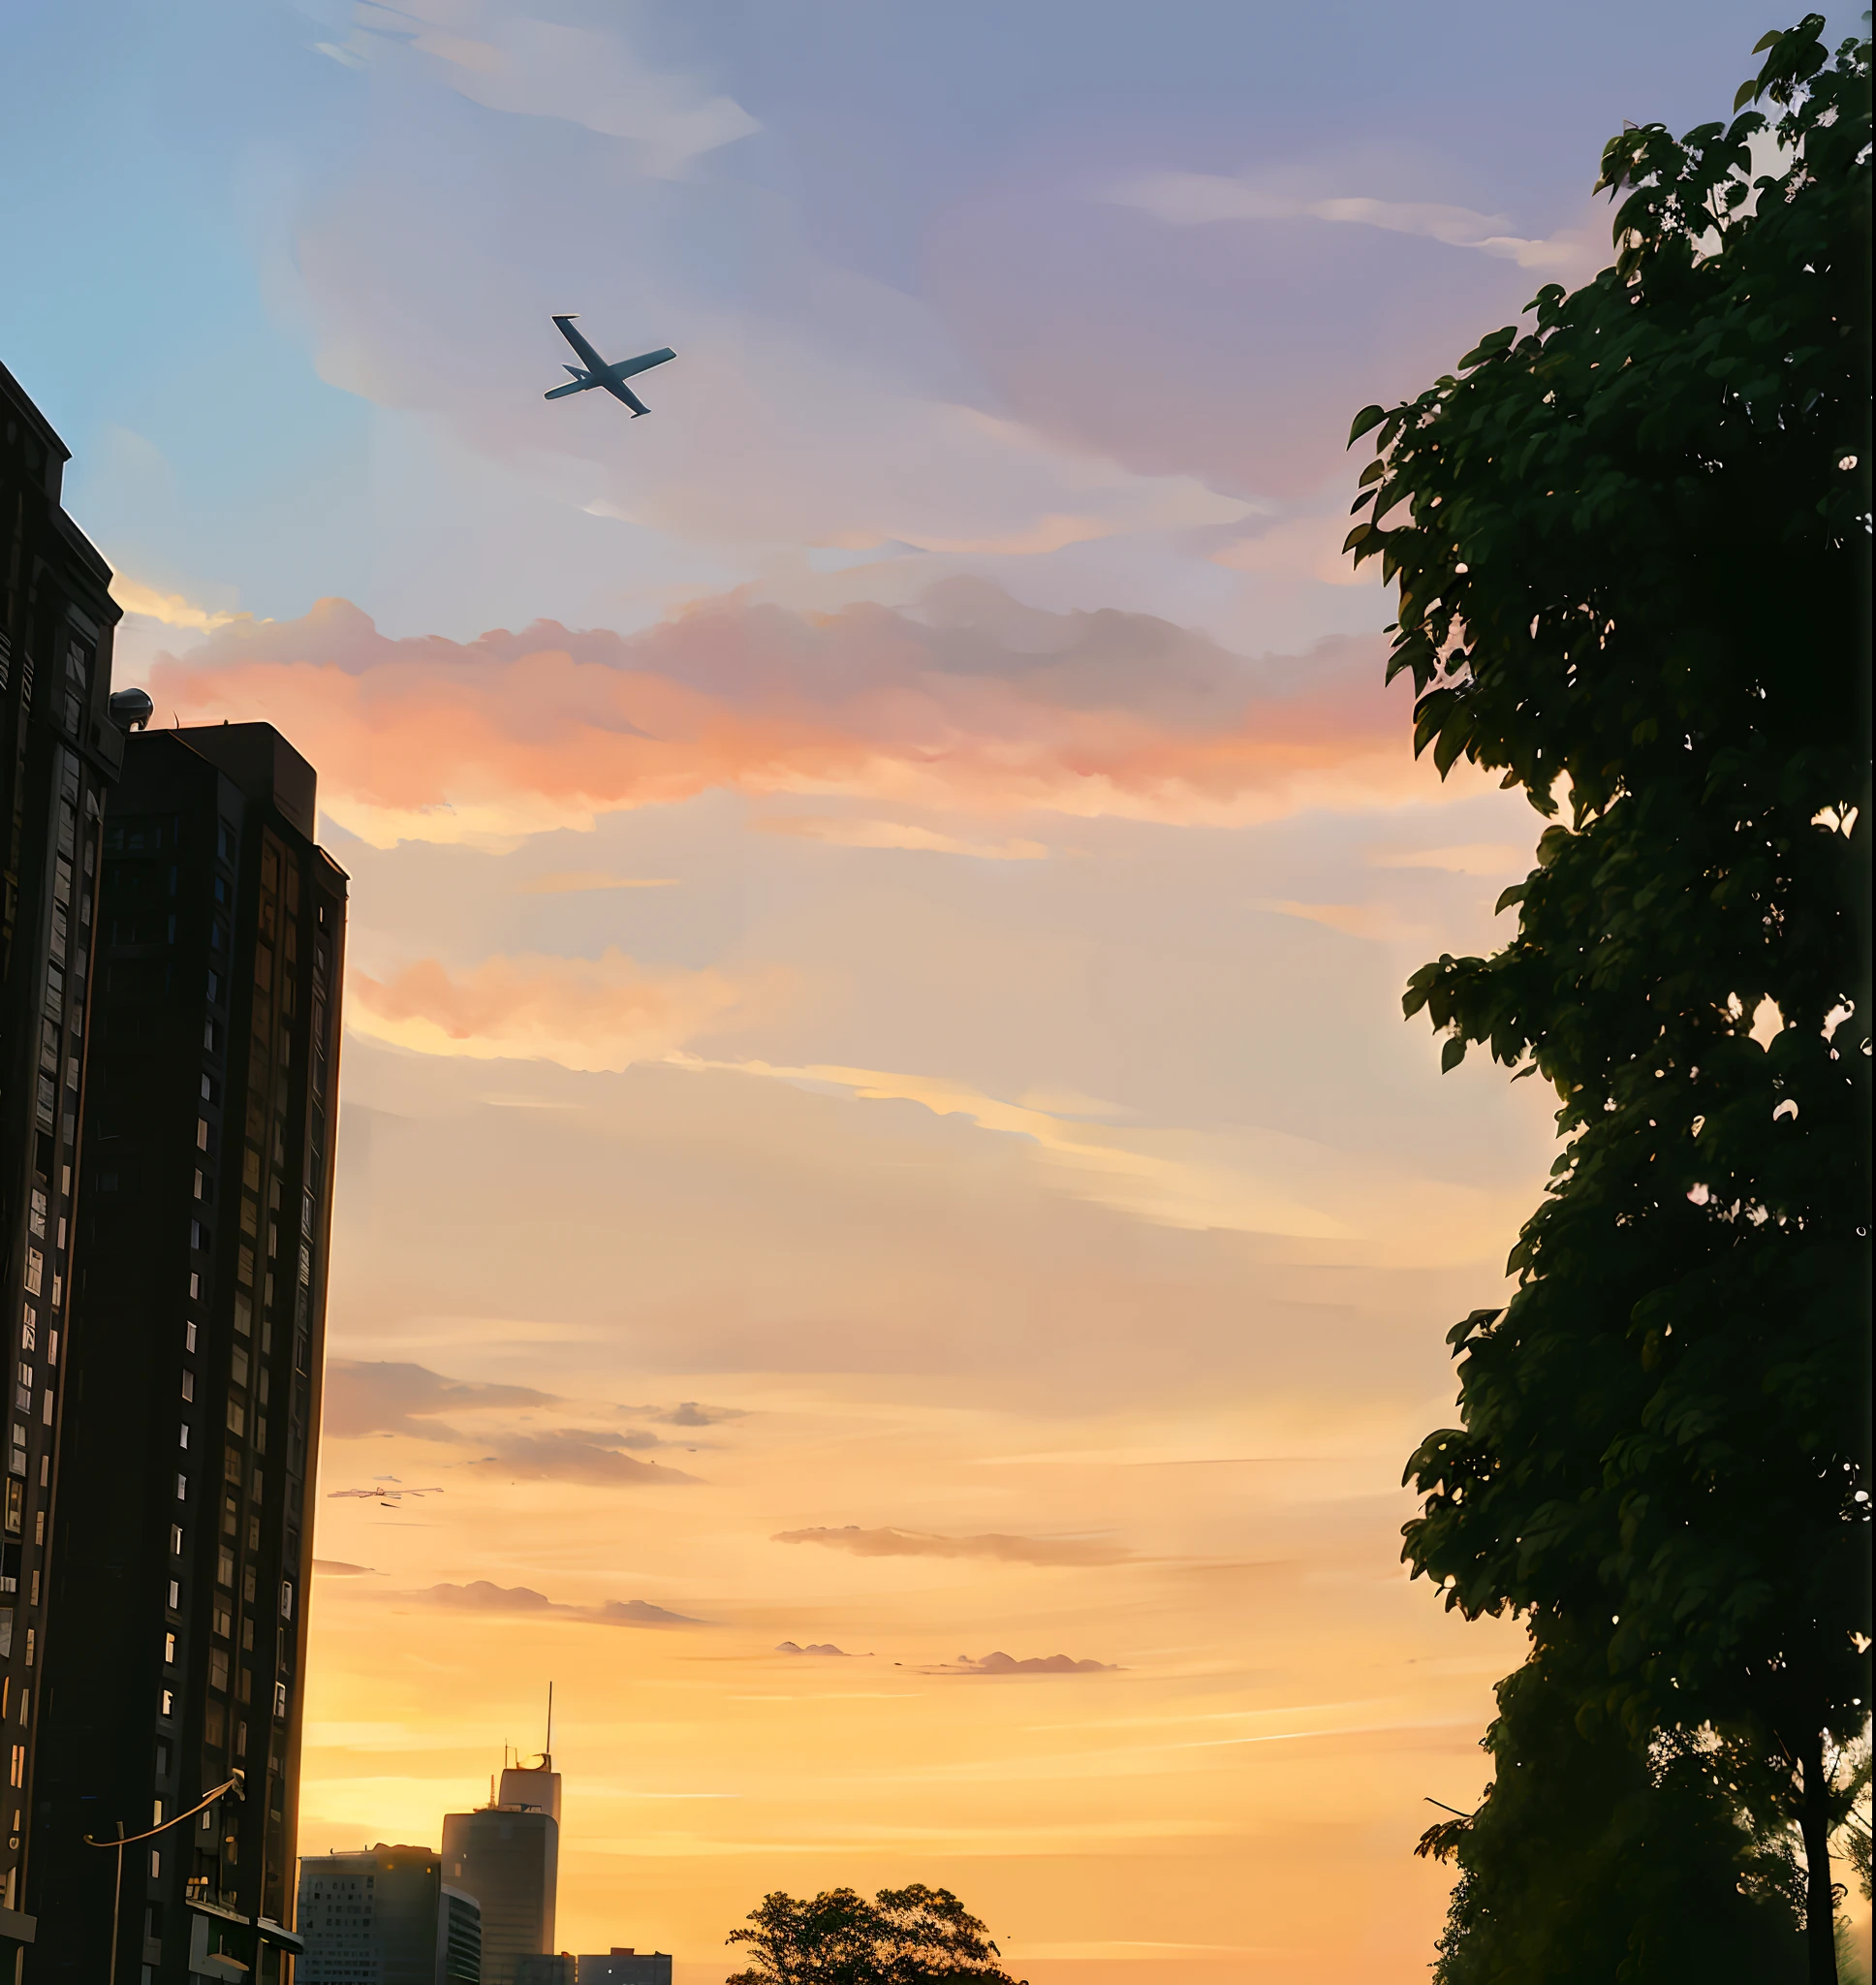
968,701
584,1013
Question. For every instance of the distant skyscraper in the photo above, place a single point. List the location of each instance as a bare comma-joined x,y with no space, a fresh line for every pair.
385,1916
59,753
177,1612
507,1855
623,1966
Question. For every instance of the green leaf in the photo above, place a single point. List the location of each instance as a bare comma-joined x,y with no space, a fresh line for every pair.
1453,1053
1368,417
1357,536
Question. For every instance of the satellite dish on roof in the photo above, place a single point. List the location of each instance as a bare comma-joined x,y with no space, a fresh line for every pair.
131,709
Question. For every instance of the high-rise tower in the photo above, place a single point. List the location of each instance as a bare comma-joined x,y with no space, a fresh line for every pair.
177,1608
59,753
507,1855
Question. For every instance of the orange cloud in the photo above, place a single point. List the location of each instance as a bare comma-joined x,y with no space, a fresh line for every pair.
603,1012
967,701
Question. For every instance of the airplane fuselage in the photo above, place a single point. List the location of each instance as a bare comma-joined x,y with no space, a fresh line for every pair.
598,373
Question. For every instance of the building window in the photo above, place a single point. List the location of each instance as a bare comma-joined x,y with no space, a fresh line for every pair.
168,1651
217,1670
188,1385
166,1702
175,1536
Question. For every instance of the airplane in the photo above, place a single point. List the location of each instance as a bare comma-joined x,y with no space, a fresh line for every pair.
597,372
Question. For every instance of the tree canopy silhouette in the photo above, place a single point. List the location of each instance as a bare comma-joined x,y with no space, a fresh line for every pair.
915,1935
1632,547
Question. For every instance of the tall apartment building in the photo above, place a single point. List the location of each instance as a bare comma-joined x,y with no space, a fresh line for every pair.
386,1917
59,754
507,1855
177,1601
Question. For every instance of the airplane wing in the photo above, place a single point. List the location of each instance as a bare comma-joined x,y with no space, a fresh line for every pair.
618,389
594,363
574,386
629,368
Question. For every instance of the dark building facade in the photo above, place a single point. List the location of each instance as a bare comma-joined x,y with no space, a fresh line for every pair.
623,1965
177,1603
59,754
386,1917
507,1855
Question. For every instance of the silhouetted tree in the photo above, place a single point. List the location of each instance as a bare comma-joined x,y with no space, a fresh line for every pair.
1593,1860
915,1936
1634,565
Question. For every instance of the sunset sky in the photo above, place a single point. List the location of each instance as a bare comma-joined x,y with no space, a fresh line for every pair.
876,1113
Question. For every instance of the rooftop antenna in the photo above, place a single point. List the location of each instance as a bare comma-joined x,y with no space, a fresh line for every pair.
546,1756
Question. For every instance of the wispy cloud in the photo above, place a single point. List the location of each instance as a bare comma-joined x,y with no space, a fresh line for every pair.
1187,199
172,609
592,77
1378,922
900,835
1117,1166
1475,858
1004,1550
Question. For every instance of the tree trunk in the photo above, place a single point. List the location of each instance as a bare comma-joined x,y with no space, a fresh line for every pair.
1820,1903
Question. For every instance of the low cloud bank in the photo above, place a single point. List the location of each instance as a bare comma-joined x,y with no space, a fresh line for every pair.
484,1597
1041,1664
968,701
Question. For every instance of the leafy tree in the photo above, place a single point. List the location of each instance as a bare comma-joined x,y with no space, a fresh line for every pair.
1633,566
915,1936
1592,1861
